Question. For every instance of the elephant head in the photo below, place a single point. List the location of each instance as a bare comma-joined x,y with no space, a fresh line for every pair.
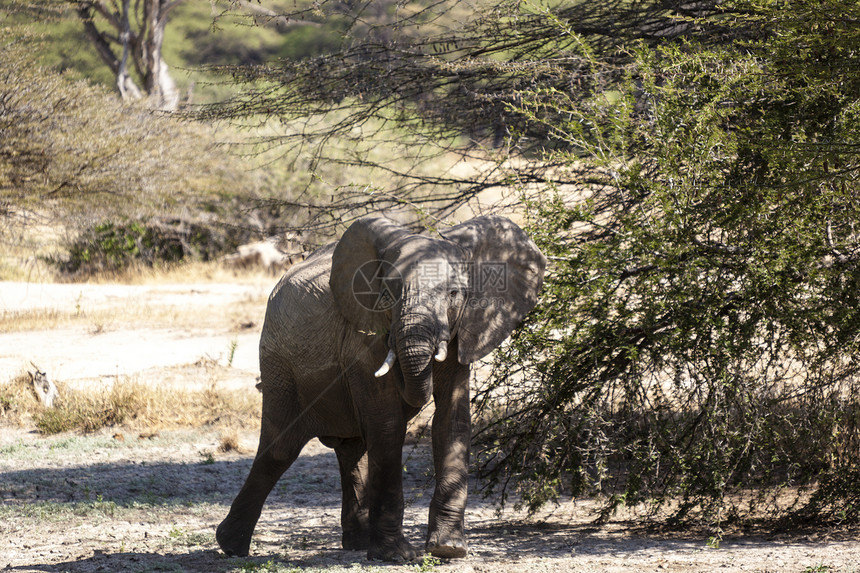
475,281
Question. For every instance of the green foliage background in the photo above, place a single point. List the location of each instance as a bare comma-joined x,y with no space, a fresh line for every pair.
77,164
74,159
695,348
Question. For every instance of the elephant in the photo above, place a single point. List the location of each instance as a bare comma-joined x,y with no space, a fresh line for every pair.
357,338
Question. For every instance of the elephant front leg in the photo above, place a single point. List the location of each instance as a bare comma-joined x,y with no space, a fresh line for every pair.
275,454
385,497
234,533
451,432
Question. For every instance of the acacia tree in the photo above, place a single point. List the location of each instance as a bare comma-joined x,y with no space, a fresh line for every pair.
128,38
691,170
697,340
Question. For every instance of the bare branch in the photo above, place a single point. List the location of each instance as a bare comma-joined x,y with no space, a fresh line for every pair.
271,17
98,39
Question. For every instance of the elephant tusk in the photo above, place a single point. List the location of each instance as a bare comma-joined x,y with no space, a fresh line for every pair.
386,366
442,353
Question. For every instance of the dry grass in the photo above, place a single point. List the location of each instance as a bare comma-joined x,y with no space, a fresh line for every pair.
99,320
96,320
133,405
192,272
146,311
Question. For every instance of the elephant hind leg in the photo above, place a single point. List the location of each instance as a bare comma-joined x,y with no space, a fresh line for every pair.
273,459
352,459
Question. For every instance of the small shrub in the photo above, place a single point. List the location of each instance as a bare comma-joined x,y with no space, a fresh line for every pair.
17,399
7,403
89,412
428,564
115,246
229,443
110,246
190,539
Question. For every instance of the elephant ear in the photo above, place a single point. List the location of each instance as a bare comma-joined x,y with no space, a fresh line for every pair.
506,274
360,280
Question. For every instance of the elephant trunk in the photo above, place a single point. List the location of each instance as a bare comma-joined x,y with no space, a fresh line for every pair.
415,351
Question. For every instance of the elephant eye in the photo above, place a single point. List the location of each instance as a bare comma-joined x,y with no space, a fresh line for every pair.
454,293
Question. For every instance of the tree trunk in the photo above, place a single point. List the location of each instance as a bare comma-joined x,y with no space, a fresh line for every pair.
108,25
158,82
124,82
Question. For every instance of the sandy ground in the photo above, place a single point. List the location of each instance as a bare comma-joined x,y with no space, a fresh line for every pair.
119,501
102,331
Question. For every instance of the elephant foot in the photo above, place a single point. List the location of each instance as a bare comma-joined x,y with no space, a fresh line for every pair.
232,541
398,551
355,540
447,545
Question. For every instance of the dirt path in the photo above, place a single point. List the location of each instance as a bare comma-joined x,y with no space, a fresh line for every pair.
119,501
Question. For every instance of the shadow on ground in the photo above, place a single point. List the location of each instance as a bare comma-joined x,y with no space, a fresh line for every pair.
129,484
130,514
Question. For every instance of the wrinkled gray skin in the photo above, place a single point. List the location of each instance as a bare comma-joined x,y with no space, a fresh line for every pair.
328,330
